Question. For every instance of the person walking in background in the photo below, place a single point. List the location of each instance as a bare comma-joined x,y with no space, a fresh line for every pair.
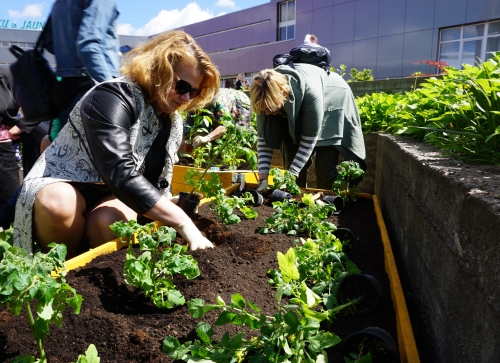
240,81
118,147
304,111
85,44
230,101
229,83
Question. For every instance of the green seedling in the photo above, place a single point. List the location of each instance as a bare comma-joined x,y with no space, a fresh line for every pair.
38,279
159,260
347,171
284,180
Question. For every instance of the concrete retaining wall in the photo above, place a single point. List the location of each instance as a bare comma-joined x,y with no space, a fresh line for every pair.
443,218
386,85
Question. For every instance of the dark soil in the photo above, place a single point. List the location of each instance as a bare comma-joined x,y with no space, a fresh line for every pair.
127,327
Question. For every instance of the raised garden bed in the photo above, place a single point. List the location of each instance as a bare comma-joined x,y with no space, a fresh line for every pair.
126,327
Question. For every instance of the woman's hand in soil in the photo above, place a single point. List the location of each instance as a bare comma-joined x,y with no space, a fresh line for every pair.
193,236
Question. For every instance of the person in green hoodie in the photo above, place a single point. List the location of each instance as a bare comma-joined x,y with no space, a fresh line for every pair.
304,111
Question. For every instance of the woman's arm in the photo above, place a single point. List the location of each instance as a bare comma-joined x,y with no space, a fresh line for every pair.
108,113
311,115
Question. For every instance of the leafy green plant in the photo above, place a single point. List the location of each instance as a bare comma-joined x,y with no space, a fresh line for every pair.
223,207
242,147
196,179
201,121
291,335
6,240
158,261
284,180
90,356
210,184
347,171
293,219
360,76
458,112
26,279
341,70
321,265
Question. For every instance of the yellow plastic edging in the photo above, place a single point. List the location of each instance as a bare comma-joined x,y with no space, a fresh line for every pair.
407,346
252,178
178,184
114,245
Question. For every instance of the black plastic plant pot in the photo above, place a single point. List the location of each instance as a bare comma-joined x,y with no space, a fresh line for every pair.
348,239
258,199
364,288
337,201
279,195
373,340
188,205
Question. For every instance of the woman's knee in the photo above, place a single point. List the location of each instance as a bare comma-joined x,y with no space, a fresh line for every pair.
59,201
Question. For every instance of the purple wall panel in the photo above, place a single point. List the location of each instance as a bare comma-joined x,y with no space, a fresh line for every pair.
232,62
219,42
304,25
241,37
342,24
245,60
319,4
321,27
303,6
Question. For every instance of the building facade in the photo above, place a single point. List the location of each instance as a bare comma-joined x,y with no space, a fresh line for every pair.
386,36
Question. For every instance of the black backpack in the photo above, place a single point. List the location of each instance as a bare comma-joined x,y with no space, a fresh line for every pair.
318,56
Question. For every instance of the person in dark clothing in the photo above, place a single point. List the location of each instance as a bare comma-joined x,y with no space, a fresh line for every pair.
240,81
14,129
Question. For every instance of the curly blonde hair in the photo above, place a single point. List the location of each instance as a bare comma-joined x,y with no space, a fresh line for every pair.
270,89
152,65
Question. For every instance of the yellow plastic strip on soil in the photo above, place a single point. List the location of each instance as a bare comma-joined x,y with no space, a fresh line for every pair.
407,346
115,245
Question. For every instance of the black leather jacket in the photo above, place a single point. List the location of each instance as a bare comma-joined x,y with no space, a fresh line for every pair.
108,114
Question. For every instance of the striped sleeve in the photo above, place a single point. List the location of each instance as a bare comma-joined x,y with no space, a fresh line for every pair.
265,154
306,147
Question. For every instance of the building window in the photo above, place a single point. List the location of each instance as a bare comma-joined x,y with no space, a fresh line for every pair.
286,29
467,44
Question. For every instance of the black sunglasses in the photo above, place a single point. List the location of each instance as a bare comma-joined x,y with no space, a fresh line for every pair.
182,87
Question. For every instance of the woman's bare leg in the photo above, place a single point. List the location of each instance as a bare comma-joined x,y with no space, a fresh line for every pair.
58,217
99,218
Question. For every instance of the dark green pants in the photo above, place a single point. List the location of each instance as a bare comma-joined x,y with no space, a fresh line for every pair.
326,161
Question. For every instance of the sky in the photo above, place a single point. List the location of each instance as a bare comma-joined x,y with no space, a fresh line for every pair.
137,17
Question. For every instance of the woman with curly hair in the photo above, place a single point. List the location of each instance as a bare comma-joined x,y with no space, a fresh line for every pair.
114,158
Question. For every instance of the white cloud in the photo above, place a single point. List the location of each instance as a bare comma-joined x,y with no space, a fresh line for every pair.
168,19
226,3
29,11
125,29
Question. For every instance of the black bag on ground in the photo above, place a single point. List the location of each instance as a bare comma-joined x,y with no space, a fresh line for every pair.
35,82
315,55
